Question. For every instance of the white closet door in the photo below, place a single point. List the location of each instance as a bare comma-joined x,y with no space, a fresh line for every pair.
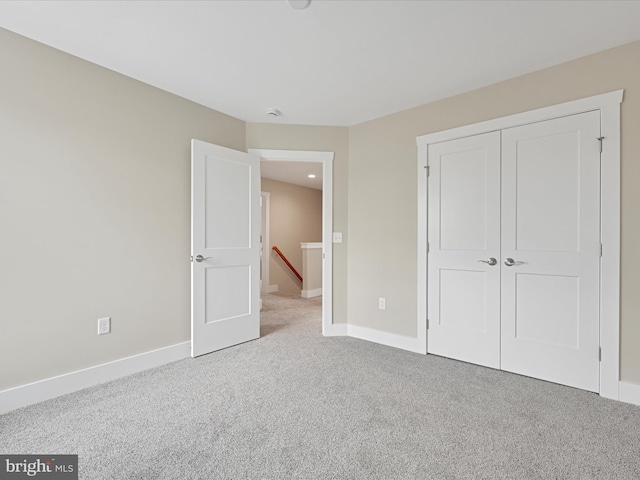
551,231
464,230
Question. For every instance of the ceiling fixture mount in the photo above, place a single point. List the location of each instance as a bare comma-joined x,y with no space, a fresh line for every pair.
273,112
299,4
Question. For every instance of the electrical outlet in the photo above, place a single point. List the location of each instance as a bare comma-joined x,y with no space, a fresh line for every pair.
104,325
382,303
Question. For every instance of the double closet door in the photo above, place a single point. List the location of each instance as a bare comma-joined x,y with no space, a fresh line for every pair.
514,250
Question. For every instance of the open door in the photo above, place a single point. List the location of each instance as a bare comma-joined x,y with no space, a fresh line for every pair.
225,247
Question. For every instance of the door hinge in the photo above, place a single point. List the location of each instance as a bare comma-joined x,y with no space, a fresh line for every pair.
600,139
427,247
428,169
427,324
600,249
599,354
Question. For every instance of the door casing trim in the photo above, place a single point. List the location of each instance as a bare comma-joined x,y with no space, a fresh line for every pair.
608,104
266,287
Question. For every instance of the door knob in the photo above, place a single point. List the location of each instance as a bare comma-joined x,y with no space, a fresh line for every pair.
200,258
510,262
492,261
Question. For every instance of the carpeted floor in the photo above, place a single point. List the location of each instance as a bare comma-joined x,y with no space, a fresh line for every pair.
296,405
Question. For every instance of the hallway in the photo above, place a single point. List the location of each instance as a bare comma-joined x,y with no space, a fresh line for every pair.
288,311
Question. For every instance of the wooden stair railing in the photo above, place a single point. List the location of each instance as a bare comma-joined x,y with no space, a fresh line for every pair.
287,262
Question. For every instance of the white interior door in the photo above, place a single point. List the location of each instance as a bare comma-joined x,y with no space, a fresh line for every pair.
464,249
225,236
551,231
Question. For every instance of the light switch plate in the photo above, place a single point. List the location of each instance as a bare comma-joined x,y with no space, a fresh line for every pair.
337,237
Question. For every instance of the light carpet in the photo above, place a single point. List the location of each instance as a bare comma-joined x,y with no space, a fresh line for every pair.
296,405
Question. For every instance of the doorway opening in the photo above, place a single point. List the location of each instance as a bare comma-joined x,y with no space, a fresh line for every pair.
325,161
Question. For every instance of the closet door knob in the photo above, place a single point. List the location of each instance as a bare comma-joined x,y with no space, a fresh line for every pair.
492,261
510,262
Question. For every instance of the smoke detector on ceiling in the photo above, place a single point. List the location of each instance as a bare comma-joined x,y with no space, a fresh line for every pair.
272,112
298,4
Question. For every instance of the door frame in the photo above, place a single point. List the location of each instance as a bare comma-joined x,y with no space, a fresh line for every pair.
326,158
608,104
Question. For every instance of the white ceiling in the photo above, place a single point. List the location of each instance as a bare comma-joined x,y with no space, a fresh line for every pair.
335,63
293,172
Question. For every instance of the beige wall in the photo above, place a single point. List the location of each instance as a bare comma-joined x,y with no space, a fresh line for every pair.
295,216
94,211
312,269
383,187
324,139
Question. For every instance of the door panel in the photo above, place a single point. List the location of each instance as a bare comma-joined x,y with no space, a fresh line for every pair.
547,309
226,233
226,292
547,176
551,229
469,314
463,200
464,228
227,222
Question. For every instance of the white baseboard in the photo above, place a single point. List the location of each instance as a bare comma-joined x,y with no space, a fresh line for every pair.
316,292
390,339
270,289
335,330
629,393
70,382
